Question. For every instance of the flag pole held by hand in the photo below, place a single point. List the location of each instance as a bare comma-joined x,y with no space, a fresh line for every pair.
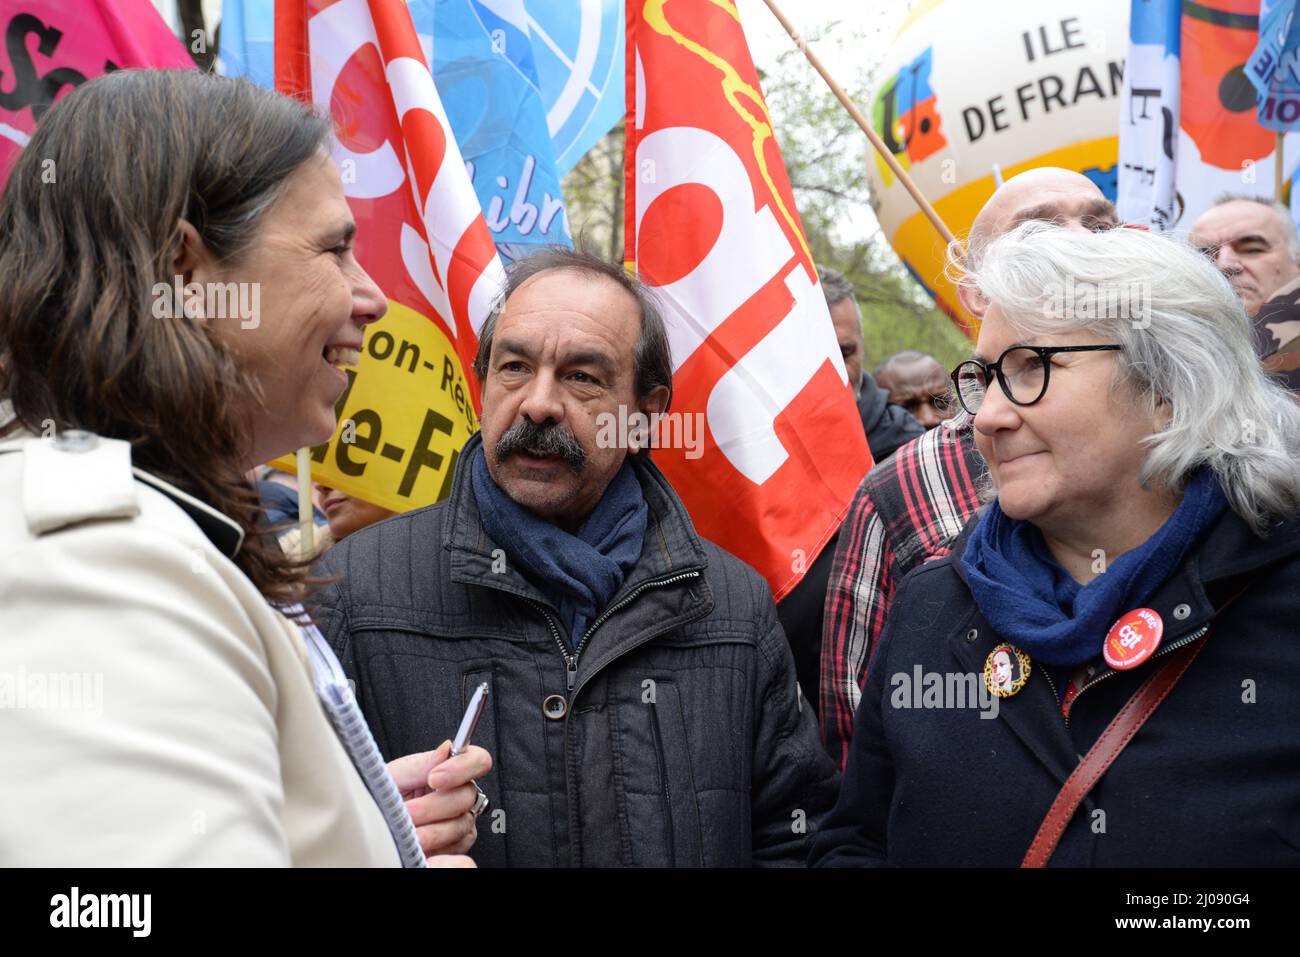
940,227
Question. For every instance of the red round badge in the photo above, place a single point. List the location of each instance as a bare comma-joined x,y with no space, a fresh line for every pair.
1133,639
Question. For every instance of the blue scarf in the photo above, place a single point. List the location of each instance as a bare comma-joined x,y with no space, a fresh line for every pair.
578,573
1036,605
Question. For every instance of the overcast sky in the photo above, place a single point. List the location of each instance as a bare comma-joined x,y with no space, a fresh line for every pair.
875,22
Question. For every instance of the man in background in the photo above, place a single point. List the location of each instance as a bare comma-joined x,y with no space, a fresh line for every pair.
916,383
886,425
1254,244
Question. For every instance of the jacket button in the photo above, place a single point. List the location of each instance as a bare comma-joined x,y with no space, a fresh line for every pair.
1182,611
75,440
555,707
972,634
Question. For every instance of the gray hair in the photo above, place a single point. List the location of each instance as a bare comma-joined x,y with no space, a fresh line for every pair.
1187,342
1279,210
652,362
835,287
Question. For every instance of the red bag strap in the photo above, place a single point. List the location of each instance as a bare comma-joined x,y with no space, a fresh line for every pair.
1105,750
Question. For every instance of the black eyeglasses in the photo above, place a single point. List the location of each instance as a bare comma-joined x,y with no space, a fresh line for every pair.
1022,371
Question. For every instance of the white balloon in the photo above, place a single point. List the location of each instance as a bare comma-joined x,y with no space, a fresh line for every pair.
977,87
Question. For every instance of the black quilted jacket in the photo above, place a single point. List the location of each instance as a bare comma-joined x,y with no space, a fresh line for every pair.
675,735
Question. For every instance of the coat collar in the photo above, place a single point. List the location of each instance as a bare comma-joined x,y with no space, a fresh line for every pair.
1186,602
221,530
1048,740
872,401
225,534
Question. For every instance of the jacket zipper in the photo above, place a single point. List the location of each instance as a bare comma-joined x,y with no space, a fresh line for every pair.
1052,684
571,660
571,677
665,791
1163,651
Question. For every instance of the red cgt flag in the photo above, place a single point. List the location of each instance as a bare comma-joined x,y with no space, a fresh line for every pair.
712,227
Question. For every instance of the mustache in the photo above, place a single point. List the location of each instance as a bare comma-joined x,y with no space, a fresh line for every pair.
546,441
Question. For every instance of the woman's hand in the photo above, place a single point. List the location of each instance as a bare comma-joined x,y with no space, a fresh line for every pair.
439,792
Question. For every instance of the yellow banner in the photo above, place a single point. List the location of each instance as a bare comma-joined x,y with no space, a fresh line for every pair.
402,420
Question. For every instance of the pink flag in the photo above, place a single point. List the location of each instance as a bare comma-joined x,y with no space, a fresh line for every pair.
52,46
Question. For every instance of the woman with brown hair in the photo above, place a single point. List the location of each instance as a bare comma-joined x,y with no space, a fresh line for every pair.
178,291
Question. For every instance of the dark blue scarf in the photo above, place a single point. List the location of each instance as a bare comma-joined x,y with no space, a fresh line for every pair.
1035,604
579,573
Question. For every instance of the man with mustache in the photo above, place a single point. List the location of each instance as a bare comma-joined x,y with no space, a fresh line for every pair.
643,709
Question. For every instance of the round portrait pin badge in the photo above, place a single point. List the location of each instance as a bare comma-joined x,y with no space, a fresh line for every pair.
1133,639
1006,670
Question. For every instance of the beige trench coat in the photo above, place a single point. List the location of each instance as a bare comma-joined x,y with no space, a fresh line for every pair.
154,709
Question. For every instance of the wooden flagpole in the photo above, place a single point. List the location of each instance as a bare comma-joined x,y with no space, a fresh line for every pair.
861,120
1279,171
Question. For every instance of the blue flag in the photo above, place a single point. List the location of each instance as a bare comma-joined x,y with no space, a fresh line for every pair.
248,40
482,60
1274,67
484,68
578,50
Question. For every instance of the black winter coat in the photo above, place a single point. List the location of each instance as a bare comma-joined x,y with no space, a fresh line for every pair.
676,738
887,426
1212,778
802,611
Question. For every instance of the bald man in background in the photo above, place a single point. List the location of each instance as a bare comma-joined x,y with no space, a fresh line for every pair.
917,382
911,508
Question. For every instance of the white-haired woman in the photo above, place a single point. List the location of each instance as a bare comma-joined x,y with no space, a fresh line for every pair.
1112,639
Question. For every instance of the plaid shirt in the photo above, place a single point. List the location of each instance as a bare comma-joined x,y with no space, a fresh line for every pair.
907,511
